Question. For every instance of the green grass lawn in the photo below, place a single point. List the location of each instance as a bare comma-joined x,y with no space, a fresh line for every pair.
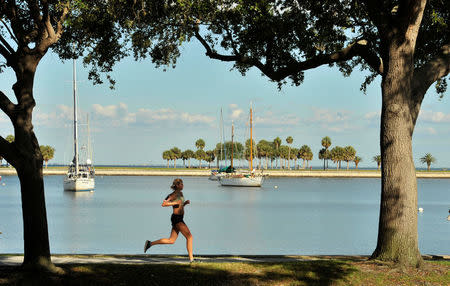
315,272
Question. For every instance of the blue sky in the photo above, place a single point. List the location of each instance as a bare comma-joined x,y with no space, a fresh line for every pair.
151,110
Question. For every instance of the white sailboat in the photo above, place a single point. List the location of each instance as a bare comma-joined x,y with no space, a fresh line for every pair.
80,176
220,172
241,179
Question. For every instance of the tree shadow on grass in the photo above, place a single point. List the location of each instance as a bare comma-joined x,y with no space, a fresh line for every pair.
320,272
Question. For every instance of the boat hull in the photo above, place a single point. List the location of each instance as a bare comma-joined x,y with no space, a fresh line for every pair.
241,181
79,184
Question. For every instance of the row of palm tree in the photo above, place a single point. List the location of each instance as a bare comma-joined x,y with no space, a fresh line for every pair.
267,152
273,152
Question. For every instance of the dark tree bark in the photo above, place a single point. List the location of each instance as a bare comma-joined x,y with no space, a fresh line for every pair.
397,231
28,163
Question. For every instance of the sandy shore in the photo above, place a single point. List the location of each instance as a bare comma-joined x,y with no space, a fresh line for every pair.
205,172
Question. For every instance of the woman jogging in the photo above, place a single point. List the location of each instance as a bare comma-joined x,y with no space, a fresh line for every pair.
175,200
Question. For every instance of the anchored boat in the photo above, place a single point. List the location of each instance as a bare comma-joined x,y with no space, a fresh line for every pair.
243,179
80,176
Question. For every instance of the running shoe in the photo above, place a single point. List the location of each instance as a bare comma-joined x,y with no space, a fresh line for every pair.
147,245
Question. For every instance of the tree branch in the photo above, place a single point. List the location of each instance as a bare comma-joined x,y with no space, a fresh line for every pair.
34,11
10,32
4,51
59,26
410,13
52,36
359,48
6,105
435,69
13,16
7,151
377,14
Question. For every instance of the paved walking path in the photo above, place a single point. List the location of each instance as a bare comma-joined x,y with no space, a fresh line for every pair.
13,260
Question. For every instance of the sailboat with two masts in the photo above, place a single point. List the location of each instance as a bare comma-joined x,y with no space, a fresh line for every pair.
241,179
80,176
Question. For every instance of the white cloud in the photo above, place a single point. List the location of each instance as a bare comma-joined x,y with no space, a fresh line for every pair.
338,121
434,117
61,116
119,115
236,113
330,116
270,119
426,130
372,115
194,118
111,111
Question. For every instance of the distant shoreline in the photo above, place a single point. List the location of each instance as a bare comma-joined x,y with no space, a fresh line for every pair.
330,173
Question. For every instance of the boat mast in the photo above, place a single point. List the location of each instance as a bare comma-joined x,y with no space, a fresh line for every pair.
232,144
75,123
251,140
89,140
223,150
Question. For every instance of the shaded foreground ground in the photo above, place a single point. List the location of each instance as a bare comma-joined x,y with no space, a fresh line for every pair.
281,270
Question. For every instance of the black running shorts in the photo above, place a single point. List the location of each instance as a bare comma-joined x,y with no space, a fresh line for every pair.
176,219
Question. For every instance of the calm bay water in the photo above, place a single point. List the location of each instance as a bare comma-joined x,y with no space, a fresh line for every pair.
286,216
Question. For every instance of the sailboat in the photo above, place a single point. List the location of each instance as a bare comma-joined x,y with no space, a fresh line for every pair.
80,176
241,179
220,172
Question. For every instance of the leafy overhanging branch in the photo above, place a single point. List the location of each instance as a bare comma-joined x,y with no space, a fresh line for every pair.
358,48
435,69
426,75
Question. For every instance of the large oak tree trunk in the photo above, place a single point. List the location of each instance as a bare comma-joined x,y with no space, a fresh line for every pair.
28,162
397,231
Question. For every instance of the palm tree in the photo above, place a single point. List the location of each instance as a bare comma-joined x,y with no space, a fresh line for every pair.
200,155
294,156
200,144
303,153
309,157
357,160
264,149
377,158
284,150
428,159
326,142
210,157
188,154
337,155
47,153
324,154
277,144
349,155
176,154
289,140
167,155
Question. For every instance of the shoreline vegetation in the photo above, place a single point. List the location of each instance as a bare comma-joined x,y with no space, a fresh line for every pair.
314,173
